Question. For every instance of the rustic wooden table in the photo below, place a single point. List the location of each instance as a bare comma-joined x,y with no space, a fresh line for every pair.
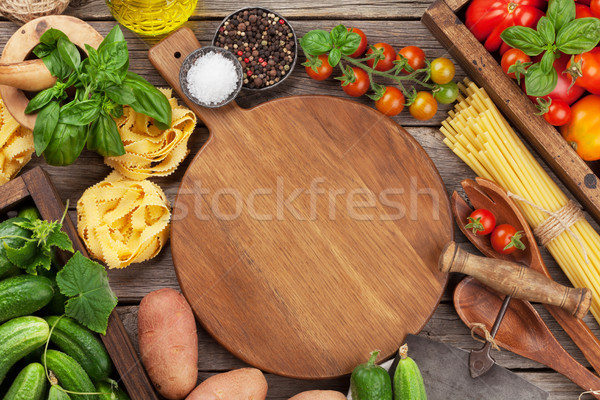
396,22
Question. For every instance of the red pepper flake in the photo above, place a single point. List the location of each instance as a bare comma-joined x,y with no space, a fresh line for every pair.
249,73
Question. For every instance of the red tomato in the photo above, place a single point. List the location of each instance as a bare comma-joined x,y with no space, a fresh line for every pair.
582,11
481,221
363,43
559,113
487,19
360,85
587,66
561,91
583,131
595,7
424,107
510,58
586,2
415,57
392,101
505,239
386,63
323,71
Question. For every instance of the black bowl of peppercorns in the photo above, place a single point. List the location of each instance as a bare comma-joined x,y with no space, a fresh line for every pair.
263,41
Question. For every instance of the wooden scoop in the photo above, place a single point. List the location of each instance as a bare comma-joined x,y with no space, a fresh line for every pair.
523,331
486,194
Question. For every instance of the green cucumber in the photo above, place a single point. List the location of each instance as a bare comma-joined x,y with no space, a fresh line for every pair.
29,385
110,393
23,295
31,213
82,345
12,236
71,376
408,382
370,382
19,337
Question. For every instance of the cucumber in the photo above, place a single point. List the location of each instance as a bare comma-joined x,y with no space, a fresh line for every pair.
108,393
70,375
31,213
56,306
408,382
29,385
23,295
371,382
8,228
82,345
19,337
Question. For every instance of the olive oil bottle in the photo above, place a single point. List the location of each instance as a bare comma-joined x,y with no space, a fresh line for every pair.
152,17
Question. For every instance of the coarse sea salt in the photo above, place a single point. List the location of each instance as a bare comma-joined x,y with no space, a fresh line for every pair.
212,78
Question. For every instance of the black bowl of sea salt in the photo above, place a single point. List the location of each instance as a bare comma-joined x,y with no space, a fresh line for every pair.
211,77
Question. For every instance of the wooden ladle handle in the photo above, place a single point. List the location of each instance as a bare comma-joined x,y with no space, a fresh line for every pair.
31,75
515,280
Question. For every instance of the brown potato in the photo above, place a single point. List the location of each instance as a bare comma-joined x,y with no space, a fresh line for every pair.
319,395
169,343
239,384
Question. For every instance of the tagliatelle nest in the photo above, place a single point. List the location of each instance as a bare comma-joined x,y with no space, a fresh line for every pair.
149,150
123,221
16,145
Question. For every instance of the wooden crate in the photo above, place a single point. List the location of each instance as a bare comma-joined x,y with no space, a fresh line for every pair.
444,21
35,187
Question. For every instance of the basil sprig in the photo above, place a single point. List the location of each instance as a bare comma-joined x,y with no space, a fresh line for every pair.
558,32
102,84
337,42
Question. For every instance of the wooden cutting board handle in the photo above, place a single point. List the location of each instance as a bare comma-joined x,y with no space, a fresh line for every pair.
515,280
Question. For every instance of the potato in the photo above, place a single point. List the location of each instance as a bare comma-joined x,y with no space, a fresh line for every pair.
169,343
319,395
239,384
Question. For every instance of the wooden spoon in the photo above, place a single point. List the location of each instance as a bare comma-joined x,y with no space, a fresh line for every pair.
523,331
486,194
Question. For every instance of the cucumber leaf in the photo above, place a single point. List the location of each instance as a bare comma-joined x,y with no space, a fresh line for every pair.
91,298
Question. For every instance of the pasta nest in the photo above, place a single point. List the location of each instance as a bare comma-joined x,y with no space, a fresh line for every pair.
123,221
150,151
16,145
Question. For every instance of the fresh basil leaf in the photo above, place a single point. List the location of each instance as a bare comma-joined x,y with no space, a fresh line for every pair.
545,28
93,56
117,111
316,42
80,113
69,53
560,12
149,100
40,100
338,35
547,62
104,137
66,144
335,55
120,94
57,66
351,45
51,36
115,35
43,50
524,38
538,83
579,36
114,55
44,127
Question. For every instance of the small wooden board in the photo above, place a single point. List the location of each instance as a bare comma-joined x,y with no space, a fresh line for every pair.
276,260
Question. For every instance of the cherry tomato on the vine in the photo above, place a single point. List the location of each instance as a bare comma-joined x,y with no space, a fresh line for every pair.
323,71
558,114
442,70
387,62
446,93
360,85
362,47
392,101
510,58
424,107
415,57
481,222
505,239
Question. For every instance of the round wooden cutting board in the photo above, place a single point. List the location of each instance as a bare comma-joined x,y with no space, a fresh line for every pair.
306,232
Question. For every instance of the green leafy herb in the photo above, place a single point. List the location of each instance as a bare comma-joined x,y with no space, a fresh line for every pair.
524,38
316,42
579,36
561,12
91,299
539,83
102,86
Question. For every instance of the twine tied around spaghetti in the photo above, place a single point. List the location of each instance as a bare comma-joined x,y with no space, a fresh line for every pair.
589,392
486,334
556,223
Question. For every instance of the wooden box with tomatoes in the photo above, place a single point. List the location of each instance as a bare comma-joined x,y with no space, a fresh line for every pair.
556,37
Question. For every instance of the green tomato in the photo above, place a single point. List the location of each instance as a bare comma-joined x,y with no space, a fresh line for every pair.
447,93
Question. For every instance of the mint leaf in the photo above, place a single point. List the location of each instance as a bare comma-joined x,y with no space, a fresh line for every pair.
91,298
